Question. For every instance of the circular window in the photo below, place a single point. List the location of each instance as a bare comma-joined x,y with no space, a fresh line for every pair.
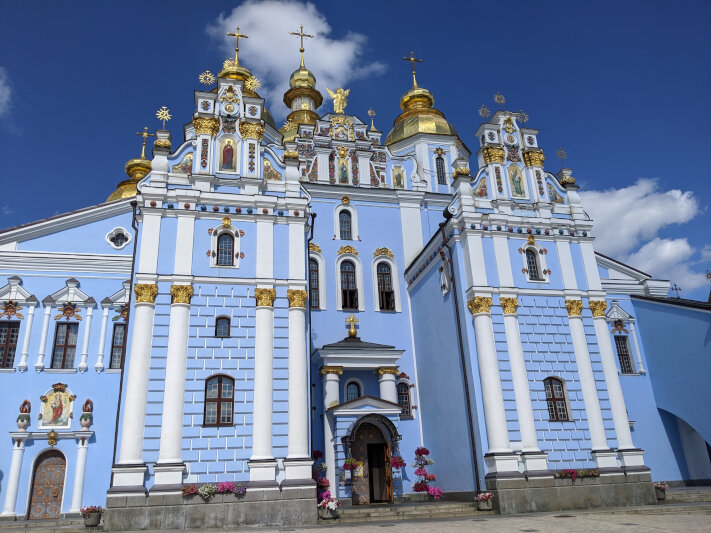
118,238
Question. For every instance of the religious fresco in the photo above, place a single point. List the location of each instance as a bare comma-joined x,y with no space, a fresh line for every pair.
228,155
480,191
270,172
185,166
554,196
518,188
56,408
398,178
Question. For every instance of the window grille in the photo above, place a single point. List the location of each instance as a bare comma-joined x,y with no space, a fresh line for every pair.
222,326
313,284
441,176
386,295
8,343
65,345
352,391
403,399
532,265
118,345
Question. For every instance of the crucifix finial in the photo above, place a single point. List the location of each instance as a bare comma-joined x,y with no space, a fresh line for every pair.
237,35
352,321
301,36
412,59
145,136
676,289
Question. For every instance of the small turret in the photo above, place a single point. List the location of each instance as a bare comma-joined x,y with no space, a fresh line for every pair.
136,169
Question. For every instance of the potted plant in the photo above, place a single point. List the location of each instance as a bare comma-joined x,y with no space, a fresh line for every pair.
91,515
349,465
397,462
328,507
660,487
485,500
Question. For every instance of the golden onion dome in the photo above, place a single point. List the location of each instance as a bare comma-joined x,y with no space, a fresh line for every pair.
136,169
418,116
302,77
302,83
233,70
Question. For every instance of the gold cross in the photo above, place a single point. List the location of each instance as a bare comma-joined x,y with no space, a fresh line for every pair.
237,35
352,321
145,136
301,35
412,59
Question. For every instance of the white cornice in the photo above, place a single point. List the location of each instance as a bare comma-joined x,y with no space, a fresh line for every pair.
19,260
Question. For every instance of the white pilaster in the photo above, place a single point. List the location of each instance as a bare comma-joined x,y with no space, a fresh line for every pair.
85,345
184,244
22,367
265,249
39,365
13,478
331,397
640,363
566,264
99,366
79,474
503,260
388,384
411,221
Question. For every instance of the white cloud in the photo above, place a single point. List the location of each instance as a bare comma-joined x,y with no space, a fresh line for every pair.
5,92
706,253
669,259
6,210
271,54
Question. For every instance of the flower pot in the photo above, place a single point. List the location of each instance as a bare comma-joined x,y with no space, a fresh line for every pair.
23,423
85,422
661,494
92,519
485,505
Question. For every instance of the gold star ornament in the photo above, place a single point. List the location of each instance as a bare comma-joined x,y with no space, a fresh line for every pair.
499,98
207,78
252,83
484,112
163,115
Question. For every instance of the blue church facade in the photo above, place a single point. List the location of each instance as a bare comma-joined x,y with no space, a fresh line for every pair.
253,295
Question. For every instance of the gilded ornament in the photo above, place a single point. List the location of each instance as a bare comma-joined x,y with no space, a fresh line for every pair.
348,249
493,154
499,98
533,158
342,152
68,310
598,307
52,438
484,112
162,144
251,130
296,297
226,222
381,371
567,180
340,99
522,116
462,171
252,83
181,293
291,154
619,327
206,126
163,115
561,154
11,309
338,370
479,304
145,292
509,305
574,307
265,297
207,78
345,200
531,240
352,321
508,125
313,247
383,251
229,96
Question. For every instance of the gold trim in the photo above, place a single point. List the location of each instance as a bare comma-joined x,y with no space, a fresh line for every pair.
162,144
338,370
531,239
493,154
145,292
251,130
463,171
52,438
291,154
313,247
348,249
574,307
381,371
181,293
296,297
265,297
383,251
479,304
345,200
598,307
352,321
567,180
509,305
533,158
226,222
206,126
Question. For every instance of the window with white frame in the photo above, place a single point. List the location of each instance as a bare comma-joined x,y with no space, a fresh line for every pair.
345,222
533,256
556,400
225,243
441,174
404,400
353,391
345,226
317,281
622,344
386,284
349,283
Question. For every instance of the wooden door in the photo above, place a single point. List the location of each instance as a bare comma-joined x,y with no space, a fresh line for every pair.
388,474
47,486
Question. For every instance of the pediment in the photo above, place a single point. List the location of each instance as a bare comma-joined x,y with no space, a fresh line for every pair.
617,313
70,293
16,292
365,405
118,298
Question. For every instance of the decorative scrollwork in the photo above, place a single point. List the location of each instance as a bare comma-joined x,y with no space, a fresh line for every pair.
598,307
348,249
383,251
509,305
313,247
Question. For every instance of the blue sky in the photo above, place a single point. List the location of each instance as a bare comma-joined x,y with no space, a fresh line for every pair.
622,86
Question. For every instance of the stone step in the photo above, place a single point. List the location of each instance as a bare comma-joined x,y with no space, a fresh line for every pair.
408,511
689,495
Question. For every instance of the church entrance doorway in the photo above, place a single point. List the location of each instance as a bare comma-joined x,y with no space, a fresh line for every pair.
373,481
47,486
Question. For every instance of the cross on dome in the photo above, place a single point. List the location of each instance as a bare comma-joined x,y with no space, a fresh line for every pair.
237,35
145,136
301,36
412,59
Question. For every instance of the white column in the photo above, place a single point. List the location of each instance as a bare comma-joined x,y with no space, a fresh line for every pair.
26,342
99,366
494,412
169,468
39,365
13,478
85,345
387,382
79,474
640,363
600,448
262,466
331,396
134,410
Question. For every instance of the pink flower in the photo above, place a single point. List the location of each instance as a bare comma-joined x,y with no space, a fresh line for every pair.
435,492
431,477
422,451
317,454
421,472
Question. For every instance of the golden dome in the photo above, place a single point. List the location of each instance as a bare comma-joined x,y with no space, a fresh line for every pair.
418,116
234,71
136,170
302,77
302,83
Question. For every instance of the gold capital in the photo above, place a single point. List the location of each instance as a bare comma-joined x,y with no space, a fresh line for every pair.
533,158
291,154
251,130
509,305
181,293
493,154
598,307
145,292
265,297
381,371
461,171
479,304
296,297
338,370
574,307
206,126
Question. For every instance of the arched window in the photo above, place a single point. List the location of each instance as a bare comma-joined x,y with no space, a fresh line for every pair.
219,401
555,398
386,294
344,223
313,284
222,326
349,290
403,399
623,354
225,250
352,391
439,165
532,265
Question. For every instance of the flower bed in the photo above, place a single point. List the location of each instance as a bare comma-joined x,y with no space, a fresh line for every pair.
570,473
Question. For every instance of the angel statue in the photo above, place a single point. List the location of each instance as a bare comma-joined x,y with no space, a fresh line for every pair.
340,99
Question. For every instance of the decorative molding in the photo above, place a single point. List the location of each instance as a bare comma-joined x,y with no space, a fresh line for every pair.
251,130
479,304
338,370
296,297
145,292
265,297
509,305
163,144
381,371
574,307
348,249
20,260
598,307
531,240
462,171
383,251
181,294
493,154
345,200
226,222
533,158
313,247
206,126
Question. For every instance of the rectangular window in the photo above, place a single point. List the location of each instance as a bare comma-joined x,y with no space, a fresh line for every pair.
8,343
65,345
623,353
118,345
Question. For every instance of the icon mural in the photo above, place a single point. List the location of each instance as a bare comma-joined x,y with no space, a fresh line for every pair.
56,409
